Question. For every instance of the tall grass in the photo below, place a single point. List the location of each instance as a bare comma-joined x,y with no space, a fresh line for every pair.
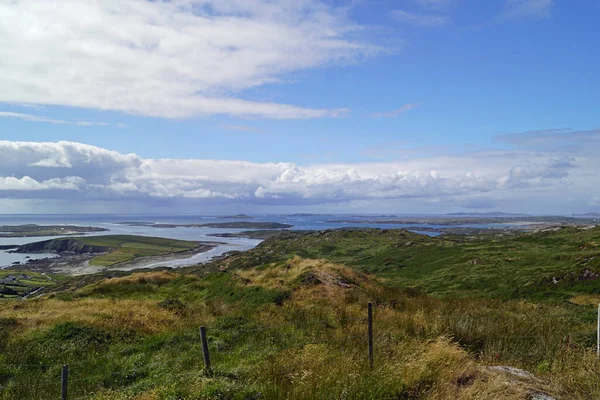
289,331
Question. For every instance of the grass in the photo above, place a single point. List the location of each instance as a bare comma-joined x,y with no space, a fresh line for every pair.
127,248
510,267
25,282
288,321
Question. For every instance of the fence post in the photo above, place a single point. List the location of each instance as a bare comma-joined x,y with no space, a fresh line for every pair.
205,348
370,308
65,381
598,334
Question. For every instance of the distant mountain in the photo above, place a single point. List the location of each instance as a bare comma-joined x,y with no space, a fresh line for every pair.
489,214
591,214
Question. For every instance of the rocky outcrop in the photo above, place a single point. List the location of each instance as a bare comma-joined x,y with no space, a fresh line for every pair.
66,245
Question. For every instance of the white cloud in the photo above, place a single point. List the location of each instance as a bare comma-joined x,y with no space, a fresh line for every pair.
523,9
169,59
422,20
37,118
26,183
80,173
399,111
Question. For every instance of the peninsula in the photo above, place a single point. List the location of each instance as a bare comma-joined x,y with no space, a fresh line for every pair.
10,231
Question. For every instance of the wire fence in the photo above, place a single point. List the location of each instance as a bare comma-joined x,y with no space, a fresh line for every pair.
58,380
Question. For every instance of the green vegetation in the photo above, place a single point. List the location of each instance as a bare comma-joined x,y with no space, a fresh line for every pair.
128,248
287,320
546,265
14,284
120,248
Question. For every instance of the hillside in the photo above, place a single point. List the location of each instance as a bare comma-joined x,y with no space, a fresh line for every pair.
64,245
555,264
287,320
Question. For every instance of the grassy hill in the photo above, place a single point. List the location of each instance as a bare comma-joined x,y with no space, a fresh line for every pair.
545,265
287,320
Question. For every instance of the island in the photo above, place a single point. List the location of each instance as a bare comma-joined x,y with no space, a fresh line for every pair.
223,225
257,234
310,215
13,231
487,214
516,221
109,252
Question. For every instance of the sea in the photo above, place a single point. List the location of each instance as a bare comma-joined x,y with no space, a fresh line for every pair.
111,222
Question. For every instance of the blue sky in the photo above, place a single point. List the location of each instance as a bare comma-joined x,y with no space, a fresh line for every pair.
351,96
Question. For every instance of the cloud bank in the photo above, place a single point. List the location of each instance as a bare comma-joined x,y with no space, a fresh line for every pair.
77,173
169,59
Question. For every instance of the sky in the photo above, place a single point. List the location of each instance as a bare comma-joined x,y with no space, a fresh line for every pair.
275,106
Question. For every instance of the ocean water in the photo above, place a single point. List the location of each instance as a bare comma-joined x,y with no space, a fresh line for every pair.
110,222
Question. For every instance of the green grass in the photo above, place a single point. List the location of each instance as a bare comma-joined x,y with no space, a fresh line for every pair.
127,248
486,266
33,281
287,320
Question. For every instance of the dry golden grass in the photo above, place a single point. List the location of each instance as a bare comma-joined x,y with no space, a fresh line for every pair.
586,299
153,278
313,344
140,315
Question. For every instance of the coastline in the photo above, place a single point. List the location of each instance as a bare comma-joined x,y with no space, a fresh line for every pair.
70,264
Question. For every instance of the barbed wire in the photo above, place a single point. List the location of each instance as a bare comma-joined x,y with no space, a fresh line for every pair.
336,331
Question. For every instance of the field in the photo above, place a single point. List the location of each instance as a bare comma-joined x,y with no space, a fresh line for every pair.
287,320
14,284
128,248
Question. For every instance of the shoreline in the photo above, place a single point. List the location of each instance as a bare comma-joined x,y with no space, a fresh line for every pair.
79,264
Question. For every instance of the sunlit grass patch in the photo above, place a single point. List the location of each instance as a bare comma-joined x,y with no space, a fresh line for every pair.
138,315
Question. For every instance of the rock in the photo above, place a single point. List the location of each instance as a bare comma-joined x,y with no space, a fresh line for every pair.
541,396
588,275
513,371
64,245
524,379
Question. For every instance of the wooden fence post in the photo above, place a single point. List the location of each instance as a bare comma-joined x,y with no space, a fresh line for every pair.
205,348
370,308
598,334
65,381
